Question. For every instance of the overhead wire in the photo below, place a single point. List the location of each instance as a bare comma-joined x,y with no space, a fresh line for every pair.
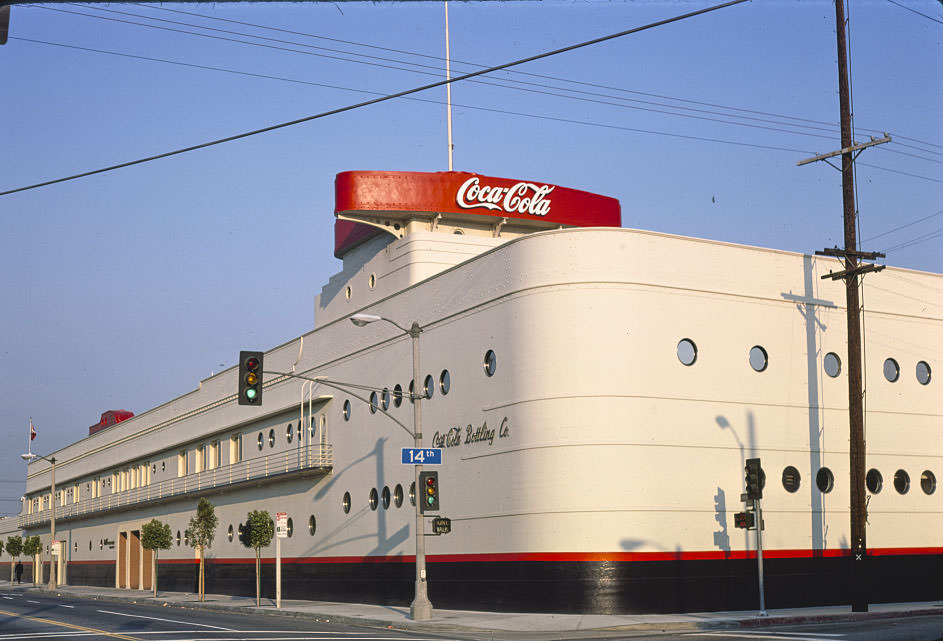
400,94
280,48
832,126
496,82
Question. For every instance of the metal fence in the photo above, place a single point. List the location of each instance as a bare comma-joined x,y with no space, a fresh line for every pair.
311,458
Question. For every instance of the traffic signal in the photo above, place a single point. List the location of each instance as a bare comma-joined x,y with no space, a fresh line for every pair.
744,520
754,479
429,490
250,378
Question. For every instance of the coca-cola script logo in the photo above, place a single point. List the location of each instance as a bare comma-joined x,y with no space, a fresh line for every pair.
520,198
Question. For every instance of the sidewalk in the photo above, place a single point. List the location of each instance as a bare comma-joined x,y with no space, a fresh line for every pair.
512,624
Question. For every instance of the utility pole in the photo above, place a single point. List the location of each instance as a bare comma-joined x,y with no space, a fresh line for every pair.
857,575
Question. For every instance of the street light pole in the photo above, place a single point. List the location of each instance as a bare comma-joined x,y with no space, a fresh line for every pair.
53,558
421,608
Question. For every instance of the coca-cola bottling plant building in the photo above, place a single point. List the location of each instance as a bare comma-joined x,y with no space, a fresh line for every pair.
595,392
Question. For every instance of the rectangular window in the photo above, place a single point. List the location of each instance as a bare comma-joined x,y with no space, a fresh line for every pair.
199,459
182,463
235,448
213,454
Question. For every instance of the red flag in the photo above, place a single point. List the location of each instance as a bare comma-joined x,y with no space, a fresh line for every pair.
32,431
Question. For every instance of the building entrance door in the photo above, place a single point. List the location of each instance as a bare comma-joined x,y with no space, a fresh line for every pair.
122,566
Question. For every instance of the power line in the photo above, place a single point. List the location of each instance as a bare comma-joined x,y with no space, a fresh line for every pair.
439,102
904,226
915,11
937,233
830,125
496,82
400,94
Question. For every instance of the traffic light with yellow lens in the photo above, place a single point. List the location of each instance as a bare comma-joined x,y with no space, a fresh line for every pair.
250,378
428,492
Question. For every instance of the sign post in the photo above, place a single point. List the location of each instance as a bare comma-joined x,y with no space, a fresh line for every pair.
281,532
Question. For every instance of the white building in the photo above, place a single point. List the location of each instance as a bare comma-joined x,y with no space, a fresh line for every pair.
595,391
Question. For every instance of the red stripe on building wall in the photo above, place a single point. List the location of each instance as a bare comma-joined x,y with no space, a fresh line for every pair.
581,557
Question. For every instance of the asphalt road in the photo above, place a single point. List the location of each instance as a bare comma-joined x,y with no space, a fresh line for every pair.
27,616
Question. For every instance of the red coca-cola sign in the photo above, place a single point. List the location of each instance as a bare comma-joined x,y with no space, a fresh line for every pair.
459,192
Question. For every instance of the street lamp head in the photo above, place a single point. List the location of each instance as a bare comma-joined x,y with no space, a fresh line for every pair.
29,456
364,319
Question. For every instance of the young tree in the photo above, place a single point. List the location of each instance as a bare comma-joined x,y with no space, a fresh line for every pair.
257,533
200,535
14,549
34,547
155,535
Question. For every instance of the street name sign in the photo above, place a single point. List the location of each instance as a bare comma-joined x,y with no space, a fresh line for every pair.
420,456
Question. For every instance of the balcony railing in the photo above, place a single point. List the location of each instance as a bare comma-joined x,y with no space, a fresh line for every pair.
312,459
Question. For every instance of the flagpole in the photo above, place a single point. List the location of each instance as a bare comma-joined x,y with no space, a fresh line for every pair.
448,87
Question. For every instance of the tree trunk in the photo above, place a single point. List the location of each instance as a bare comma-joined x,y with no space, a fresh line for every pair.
201,573
258,581
154,572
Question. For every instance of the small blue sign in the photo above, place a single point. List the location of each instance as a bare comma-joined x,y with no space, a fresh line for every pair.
419,456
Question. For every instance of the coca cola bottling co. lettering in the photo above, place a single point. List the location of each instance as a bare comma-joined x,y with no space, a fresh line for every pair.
521,198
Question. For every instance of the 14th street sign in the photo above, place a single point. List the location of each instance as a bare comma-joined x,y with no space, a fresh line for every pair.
420,456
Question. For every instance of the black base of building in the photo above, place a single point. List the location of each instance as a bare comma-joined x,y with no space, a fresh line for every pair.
597,587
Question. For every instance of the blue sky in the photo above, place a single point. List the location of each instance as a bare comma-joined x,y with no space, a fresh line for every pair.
123,290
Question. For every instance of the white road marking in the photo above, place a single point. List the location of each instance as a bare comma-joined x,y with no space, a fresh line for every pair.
776,636
138,616
63,605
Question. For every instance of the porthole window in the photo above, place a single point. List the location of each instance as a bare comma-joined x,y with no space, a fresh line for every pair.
312,525
398,495
758,358
445,382
825,480
372,281
346,502
928,482
491,362
89,546
412,493
271,438
412,391
874,481
385,497
397,395
178,538
75,546
299,432
891,370
261,441
290,527
791,479
923,373
687,351
289,433
832,364
239,531
385,399
428,387
901,481
347,410
348,292
374,403
374,498
229,533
